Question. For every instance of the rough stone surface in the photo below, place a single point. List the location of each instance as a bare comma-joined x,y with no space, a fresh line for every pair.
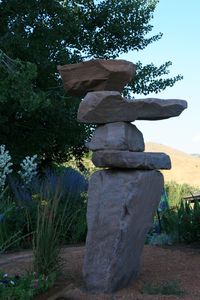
96,75
117,136
121,206
131,160
110,106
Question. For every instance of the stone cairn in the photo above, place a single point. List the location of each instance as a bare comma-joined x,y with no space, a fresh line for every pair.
122,199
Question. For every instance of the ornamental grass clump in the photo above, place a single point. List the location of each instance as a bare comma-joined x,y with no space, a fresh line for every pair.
53,217
46,248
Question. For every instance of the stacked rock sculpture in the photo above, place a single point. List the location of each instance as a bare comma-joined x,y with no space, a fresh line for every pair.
122,199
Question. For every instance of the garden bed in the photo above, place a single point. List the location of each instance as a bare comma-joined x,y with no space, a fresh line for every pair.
175,267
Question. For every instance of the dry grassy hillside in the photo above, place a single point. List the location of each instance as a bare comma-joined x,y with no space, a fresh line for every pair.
185,167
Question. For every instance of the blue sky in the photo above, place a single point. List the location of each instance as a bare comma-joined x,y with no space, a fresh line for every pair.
179,21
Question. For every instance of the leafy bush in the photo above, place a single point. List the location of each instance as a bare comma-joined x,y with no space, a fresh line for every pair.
176,192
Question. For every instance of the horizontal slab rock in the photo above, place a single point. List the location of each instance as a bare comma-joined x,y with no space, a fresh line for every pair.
131,160
108,106
121,206
96,75
117,136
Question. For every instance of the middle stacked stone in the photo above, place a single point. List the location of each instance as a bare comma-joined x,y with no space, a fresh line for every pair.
116,142
121,145
117,136
111,140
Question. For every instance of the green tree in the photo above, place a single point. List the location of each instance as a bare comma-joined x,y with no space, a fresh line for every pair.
30,118
51,32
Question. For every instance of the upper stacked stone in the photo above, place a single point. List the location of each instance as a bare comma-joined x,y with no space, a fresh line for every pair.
110,106
96,75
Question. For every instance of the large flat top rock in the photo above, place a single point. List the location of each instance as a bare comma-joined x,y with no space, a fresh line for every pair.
131,160
96,75
110,106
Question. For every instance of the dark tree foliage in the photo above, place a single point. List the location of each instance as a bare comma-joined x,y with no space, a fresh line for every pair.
36,116
31,119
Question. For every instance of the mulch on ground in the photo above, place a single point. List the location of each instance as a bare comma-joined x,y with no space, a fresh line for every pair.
159,265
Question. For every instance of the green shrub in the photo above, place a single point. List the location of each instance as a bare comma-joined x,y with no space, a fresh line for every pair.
183,222
25,287
176,192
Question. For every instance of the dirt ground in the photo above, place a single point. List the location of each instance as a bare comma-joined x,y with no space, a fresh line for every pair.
159,265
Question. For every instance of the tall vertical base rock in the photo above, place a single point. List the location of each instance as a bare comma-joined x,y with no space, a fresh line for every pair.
120,212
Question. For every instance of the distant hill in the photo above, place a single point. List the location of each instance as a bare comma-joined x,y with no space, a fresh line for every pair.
196,155
185,167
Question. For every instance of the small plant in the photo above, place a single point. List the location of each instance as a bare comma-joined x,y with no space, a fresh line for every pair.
28,169
5,167
166,288
24,287
159,239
